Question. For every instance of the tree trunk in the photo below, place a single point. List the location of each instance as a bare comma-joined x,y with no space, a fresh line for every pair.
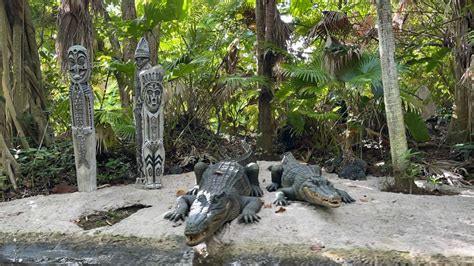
125,83
265,14
74,27
153,38
25,100
392,100
124,53
471,101
459,128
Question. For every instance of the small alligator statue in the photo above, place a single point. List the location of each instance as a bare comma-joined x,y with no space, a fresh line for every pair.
224,190
295,181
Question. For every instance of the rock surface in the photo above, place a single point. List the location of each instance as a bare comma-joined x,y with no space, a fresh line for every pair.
419,225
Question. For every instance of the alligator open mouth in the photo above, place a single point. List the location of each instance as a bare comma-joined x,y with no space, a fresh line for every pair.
316,198
194,239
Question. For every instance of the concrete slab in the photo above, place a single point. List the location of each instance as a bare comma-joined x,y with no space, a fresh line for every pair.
419,225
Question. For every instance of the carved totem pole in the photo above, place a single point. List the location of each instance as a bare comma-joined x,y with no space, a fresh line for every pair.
82,114
153,151
149,118
142,62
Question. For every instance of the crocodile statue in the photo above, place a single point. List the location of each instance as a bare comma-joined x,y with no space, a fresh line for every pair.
224,191
295,181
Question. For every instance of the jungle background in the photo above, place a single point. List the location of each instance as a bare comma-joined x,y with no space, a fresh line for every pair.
302,76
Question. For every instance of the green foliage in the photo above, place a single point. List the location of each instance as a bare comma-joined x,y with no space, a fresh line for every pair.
413,169
114,169
416,126
47,166
299,7
312,73
366,73
114,126
466,149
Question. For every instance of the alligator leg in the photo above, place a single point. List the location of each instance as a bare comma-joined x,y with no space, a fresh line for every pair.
317,170
277,171
283,194
252,170
199,169
249,206
182,208
346,198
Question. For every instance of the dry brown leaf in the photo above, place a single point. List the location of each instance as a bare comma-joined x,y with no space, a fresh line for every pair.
280,210
63,188
180,193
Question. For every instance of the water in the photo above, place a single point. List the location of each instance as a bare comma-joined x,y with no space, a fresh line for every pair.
84,254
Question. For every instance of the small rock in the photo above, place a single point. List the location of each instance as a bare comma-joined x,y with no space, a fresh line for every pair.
317,247
176,170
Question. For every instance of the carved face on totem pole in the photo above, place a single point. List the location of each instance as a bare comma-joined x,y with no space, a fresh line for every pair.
142,54
141,61
78,64
152,88
152,96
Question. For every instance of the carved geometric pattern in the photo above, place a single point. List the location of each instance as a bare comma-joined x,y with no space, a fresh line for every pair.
152,116
81,100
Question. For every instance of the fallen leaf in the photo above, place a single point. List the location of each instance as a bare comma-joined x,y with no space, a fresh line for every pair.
180,193
280,210
317,247
63,188
267,205
103,186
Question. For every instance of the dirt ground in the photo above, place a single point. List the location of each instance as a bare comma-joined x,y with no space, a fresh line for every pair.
414,224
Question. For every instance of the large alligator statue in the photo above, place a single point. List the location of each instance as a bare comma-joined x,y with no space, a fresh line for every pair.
295,181
224,190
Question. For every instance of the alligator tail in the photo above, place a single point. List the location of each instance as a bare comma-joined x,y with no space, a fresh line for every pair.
248,156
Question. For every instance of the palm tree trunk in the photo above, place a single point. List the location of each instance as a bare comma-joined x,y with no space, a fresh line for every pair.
265,14
393,105
459,127
74,27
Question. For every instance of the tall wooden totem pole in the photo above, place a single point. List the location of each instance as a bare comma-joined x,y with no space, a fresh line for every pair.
82,114
148,118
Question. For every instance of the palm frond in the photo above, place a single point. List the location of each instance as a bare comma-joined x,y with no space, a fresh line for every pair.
312,73
337,55
332,23
366,72
125,131
242,82
282,31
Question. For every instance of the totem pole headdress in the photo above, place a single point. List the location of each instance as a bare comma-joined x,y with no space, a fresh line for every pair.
143,50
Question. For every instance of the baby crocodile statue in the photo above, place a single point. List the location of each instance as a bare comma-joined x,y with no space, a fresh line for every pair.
295,181
224,190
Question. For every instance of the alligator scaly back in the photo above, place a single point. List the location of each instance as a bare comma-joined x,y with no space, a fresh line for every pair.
295,181
224,190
